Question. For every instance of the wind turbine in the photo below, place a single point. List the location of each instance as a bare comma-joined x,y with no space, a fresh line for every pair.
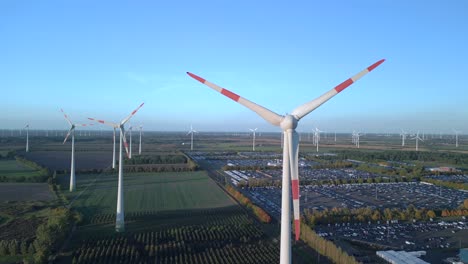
317,137
27,137
403,135
120,216
417,138
456,137
253,143
288,124
139,148
72,165
191,138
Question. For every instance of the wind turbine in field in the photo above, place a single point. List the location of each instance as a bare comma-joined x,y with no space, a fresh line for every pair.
456,137
72,133
191,136
403,135
120,216
317,137
139,148
27,137
253,142
417,138
288,124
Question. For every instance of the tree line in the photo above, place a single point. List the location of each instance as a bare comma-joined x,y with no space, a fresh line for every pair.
263,216
325,247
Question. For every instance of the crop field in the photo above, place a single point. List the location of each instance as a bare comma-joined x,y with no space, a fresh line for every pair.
25,192
13,168
145,192
170,218
60,160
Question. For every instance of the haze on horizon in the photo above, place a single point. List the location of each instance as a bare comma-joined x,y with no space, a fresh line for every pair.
103,59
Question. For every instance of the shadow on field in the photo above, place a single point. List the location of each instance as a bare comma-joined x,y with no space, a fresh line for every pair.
103,225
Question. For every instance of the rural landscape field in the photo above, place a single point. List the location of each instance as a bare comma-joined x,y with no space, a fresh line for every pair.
220,202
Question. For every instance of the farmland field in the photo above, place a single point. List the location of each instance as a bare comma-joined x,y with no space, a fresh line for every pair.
60,160
14,169
25,192
144,192
170,218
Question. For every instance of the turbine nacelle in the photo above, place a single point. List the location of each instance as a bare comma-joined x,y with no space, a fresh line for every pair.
288,122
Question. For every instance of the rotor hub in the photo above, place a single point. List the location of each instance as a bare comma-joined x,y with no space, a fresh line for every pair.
288,122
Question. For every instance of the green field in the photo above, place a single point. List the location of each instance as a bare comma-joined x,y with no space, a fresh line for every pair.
169,218
15,169
145,192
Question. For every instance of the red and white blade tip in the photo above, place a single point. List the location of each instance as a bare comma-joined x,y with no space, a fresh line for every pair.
198,78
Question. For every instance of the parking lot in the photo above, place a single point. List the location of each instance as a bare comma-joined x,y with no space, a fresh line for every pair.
401,236
377,195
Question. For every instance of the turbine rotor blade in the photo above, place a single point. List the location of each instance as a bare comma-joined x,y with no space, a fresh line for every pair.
265,113
293,145
66,117
131,114
308,107
68,134
115,125
125,141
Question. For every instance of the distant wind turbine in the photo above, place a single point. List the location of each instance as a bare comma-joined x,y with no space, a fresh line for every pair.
120,216
72,165
139,148
403,135
417,138
191,136
130,131
288,124
27,137
253,141
456,137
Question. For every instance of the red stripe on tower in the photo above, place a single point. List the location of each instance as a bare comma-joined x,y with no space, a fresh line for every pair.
297,228
373,66
295,189
230,94
198,78
343,85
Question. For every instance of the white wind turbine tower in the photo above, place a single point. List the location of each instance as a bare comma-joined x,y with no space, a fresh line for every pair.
403,135
27,137
357,135
191,137
253,142
417,138
288,124
72,165
317,137
120,216
456,137
139,148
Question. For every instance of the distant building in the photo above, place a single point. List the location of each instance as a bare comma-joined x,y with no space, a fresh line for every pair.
402,257
443,169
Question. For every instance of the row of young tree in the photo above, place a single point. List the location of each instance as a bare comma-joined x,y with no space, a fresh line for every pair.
261,214
223,235
15,247
325,247
156,159
453,185
340,215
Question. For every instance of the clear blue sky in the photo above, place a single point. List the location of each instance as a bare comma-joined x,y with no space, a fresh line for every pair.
103,58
